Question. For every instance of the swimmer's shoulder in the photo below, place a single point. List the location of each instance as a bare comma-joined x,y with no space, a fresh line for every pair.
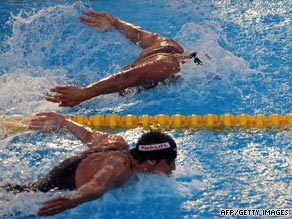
172,45
105,140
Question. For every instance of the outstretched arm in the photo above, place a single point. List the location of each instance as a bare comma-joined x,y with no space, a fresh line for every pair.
46,122
153,69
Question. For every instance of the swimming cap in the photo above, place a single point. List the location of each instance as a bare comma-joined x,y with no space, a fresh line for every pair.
155,145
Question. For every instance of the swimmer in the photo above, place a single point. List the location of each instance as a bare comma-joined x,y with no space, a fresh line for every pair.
160,59
107,163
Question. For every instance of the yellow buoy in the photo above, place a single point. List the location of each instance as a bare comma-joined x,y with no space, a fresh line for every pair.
287,120
161,120
83,120
259,121
227,120
178,121
275,121
14,123
129,121
145,121
243,121
195,121
112,121
210,121
97,121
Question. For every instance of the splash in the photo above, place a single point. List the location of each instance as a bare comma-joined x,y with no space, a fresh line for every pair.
51,47
23,91
30,66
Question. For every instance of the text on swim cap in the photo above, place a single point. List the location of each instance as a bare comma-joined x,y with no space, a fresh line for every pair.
154,147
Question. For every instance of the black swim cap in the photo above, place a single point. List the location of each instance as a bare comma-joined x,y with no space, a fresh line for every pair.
155,145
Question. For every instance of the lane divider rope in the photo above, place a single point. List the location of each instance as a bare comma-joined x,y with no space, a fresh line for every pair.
163,121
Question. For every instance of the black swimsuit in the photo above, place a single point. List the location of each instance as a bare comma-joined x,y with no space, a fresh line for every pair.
61,176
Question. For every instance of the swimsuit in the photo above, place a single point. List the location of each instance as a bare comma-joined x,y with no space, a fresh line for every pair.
61,176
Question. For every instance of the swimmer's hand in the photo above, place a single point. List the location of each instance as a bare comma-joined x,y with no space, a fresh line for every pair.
100,21
47,122
67,95
56,205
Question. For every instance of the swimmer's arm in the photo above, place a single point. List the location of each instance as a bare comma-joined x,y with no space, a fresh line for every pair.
51,121
103,21
93,138
137,34
84,133
111,175
144,38
149,72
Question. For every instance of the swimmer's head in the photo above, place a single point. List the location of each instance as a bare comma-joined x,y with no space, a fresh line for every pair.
155,145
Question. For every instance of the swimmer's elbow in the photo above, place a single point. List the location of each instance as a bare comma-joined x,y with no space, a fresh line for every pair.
88,137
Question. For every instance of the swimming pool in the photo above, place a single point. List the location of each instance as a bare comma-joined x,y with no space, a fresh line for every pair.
43,44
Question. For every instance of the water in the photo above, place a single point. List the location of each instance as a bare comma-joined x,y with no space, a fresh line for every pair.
43,45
